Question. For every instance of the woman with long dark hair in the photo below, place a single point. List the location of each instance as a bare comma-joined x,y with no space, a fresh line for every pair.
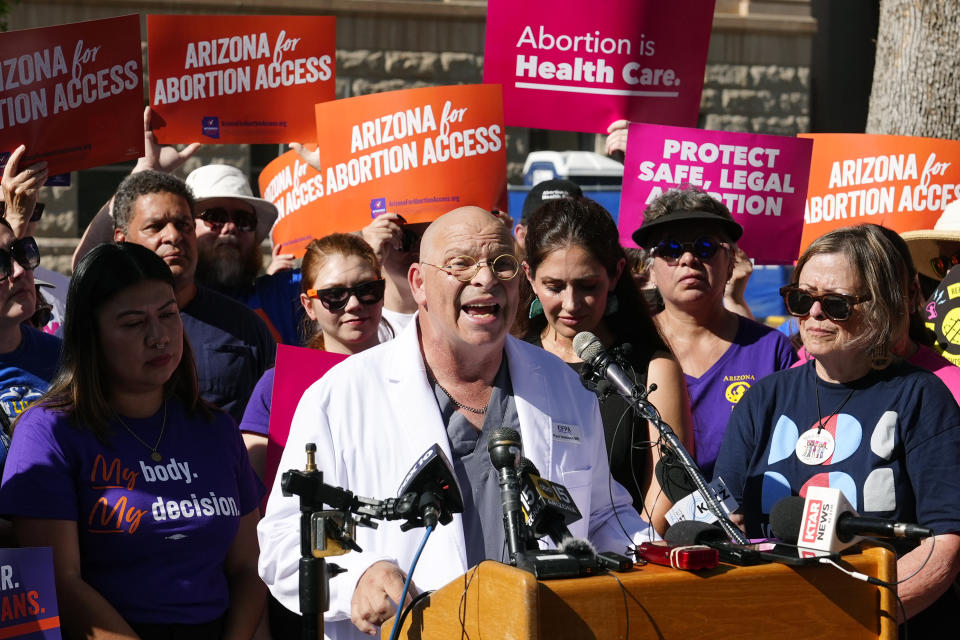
143,491
575,266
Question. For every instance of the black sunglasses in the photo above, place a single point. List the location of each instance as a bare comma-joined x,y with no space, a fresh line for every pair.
703,248
336,298
24,251
836,306
942,264
219,216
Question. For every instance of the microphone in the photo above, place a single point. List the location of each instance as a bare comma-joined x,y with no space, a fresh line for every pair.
589,349
503,444
691,532
547,505
598,362
826,521
430,487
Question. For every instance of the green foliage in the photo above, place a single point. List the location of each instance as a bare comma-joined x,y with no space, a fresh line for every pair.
5,6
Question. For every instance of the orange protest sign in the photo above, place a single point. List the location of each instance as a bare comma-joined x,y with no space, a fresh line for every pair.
72,94
418,153
899,182
239,79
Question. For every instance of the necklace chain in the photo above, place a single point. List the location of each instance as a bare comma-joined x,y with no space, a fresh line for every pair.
816,382
460,405
154,454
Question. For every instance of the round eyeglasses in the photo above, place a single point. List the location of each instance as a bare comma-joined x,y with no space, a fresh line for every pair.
465,268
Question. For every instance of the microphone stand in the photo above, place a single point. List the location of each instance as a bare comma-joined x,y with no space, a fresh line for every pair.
638,400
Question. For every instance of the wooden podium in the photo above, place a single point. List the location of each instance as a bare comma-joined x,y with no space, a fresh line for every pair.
494,600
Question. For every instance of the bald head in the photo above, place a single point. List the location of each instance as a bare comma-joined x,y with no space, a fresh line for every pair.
469,318
461,222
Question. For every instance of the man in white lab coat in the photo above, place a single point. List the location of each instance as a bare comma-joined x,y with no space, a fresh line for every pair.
449,378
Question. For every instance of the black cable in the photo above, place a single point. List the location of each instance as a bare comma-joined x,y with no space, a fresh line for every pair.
406,610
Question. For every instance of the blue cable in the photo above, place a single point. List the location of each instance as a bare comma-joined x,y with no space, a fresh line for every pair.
406,584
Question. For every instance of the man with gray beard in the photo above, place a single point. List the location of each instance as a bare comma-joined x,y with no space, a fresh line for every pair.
231,223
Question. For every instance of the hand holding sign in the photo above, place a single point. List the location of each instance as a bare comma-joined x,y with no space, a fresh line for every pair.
20,190
310,154
617,137
281,261
159,158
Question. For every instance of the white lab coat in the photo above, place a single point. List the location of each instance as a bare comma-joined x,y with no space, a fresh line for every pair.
375,413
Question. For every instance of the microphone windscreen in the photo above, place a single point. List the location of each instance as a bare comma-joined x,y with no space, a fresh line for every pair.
503,444
786,516
587,346
673,478
527,467
687,532
577,547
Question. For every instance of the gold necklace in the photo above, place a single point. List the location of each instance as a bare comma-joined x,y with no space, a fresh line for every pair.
154,454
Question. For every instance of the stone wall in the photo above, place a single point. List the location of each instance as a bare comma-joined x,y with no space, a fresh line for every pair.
756,98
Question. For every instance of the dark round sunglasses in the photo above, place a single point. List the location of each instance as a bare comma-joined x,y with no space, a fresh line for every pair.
836,306
336,298
24,251
219,216
942,264
702,248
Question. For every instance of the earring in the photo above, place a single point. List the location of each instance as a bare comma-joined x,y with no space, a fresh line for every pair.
536,309
613,304
880,357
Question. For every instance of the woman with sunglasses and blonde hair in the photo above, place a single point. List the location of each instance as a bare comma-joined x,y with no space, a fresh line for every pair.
856,418
691,236
342,295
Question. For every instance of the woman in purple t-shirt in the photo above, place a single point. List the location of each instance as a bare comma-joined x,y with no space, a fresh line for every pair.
692,237
143,491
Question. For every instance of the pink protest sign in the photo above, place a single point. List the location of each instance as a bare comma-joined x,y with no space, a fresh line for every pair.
762,179
579,66
297,368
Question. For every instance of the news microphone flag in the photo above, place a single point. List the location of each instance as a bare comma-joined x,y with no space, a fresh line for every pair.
821,513
694,507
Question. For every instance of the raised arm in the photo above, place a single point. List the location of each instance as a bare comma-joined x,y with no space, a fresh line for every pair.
156,158
20,191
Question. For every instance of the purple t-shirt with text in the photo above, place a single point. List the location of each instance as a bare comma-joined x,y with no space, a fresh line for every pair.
153,536
756,352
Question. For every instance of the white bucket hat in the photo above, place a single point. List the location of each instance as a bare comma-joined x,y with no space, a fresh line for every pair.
221,181
923,242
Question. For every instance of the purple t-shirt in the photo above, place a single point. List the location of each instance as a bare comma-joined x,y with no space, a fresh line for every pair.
153,535
256,417
756,352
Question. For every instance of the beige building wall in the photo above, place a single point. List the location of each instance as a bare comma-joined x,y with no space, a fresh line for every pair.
757,77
